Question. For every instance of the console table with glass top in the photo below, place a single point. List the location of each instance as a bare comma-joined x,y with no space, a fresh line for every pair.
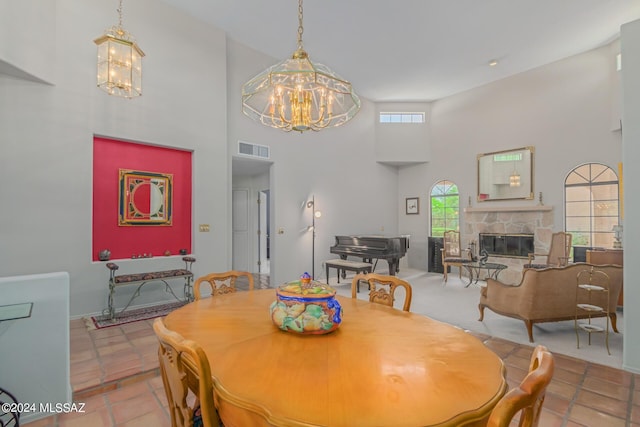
474,269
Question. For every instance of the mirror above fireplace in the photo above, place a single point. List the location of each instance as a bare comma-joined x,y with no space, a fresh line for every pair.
505,175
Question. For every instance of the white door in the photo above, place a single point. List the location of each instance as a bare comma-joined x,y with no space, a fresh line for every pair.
240,225
263,235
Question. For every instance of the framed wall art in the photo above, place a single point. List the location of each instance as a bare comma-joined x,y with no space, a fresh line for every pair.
412,205
145,198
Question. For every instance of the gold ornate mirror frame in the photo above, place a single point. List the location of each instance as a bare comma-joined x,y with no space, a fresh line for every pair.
145,198
506,175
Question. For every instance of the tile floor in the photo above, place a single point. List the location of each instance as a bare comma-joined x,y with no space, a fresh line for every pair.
114,371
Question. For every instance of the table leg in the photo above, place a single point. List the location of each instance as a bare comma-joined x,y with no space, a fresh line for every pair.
188,289
471,270
111,308
488,274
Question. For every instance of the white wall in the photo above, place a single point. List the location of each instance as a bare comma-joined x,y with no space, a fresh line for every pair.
630,41
28,23
562,109
402,143
46,150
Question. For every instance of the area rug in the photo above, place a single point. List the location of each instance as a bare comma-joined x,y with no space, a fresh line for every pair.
104,321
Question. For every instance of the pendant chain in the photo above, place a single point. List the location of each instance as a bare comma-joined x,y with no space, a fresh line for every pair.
300,28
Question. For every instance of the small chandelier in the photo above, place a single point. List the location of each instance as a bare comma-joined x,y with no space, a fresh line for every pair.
514,179
299,95
119,62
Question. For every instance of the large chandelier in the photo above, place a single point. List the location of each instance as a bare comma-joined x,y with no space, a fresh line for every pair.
297,94
119,62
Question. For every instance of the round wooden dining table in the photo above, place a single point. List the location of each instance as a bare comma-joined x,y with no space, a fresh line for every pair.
381,367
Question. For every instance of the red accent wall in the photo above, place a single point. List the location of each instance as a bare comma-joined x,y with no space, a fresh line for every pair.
124,241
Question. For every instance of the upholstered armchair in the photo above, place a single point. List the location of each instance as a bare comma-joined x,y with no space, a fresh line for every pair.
558,255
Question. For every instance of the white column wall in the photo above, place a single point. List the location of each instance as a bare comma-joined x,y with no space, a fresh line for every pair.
630,41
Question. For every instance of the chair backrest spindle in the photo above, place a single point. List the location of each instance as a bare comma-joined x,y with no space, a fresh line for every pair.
528,397
221,283
559,252
378,291
185,369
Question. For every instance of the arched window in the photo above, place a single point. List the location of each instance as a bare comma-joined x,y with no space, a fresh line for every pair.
445,207
591,204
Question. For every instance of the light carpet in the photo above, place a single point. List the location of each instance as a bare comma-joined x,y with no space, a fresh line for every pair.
454,304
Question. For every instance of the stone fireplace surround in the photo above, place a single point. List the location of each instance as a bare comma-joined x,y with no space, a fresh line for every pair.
508,220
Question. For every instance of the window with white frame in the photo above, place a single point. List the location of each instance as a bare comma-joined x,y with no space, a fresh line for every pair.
401,117
445,208
592,205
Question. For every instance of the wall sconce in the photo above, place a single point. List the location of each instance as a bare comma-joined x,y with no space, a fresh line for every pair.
315,214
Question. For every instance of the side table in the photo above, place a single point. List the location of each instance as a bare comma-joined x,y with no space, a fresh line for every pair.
474,268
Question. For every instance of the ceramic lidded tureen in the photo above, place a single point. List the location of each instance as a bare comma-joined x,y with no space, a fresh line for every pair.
306,306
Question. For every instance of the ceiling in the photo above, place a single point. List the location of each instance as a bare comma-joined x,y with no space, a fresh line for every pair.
420,50
417,50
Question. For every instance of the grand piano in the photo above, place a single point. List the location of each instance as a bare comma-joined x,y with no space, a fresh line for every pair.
369,248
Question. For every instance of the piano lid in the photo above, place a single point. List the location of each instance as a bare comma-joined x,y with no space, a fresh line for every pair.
370,244
372,238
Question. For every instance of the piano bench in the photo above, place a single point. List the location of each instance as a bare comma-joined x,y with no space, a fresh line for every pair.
344,265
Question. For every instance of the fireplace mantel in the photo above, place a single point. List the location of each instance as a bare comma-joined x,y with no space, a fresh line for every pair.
510,209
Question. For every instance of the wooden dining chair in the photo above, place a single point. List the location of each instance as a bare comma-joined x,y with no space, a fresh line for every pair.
378,291
558,255
221,283
186,375
452,253
528,397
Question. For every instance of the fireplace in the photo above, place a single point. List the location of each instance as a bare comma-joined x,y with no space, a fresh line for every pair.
507,245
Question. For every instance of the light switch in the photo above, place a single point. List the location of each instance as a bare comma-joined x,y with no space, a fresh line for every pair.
204,228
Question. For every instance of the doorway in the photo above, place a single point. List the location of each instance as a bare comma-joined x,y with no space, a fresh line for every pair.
251,215
264,257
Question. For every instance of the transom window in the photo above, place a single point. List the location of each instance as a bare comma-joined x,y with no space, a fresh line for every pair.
445,208
401,117
591,205
507,157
